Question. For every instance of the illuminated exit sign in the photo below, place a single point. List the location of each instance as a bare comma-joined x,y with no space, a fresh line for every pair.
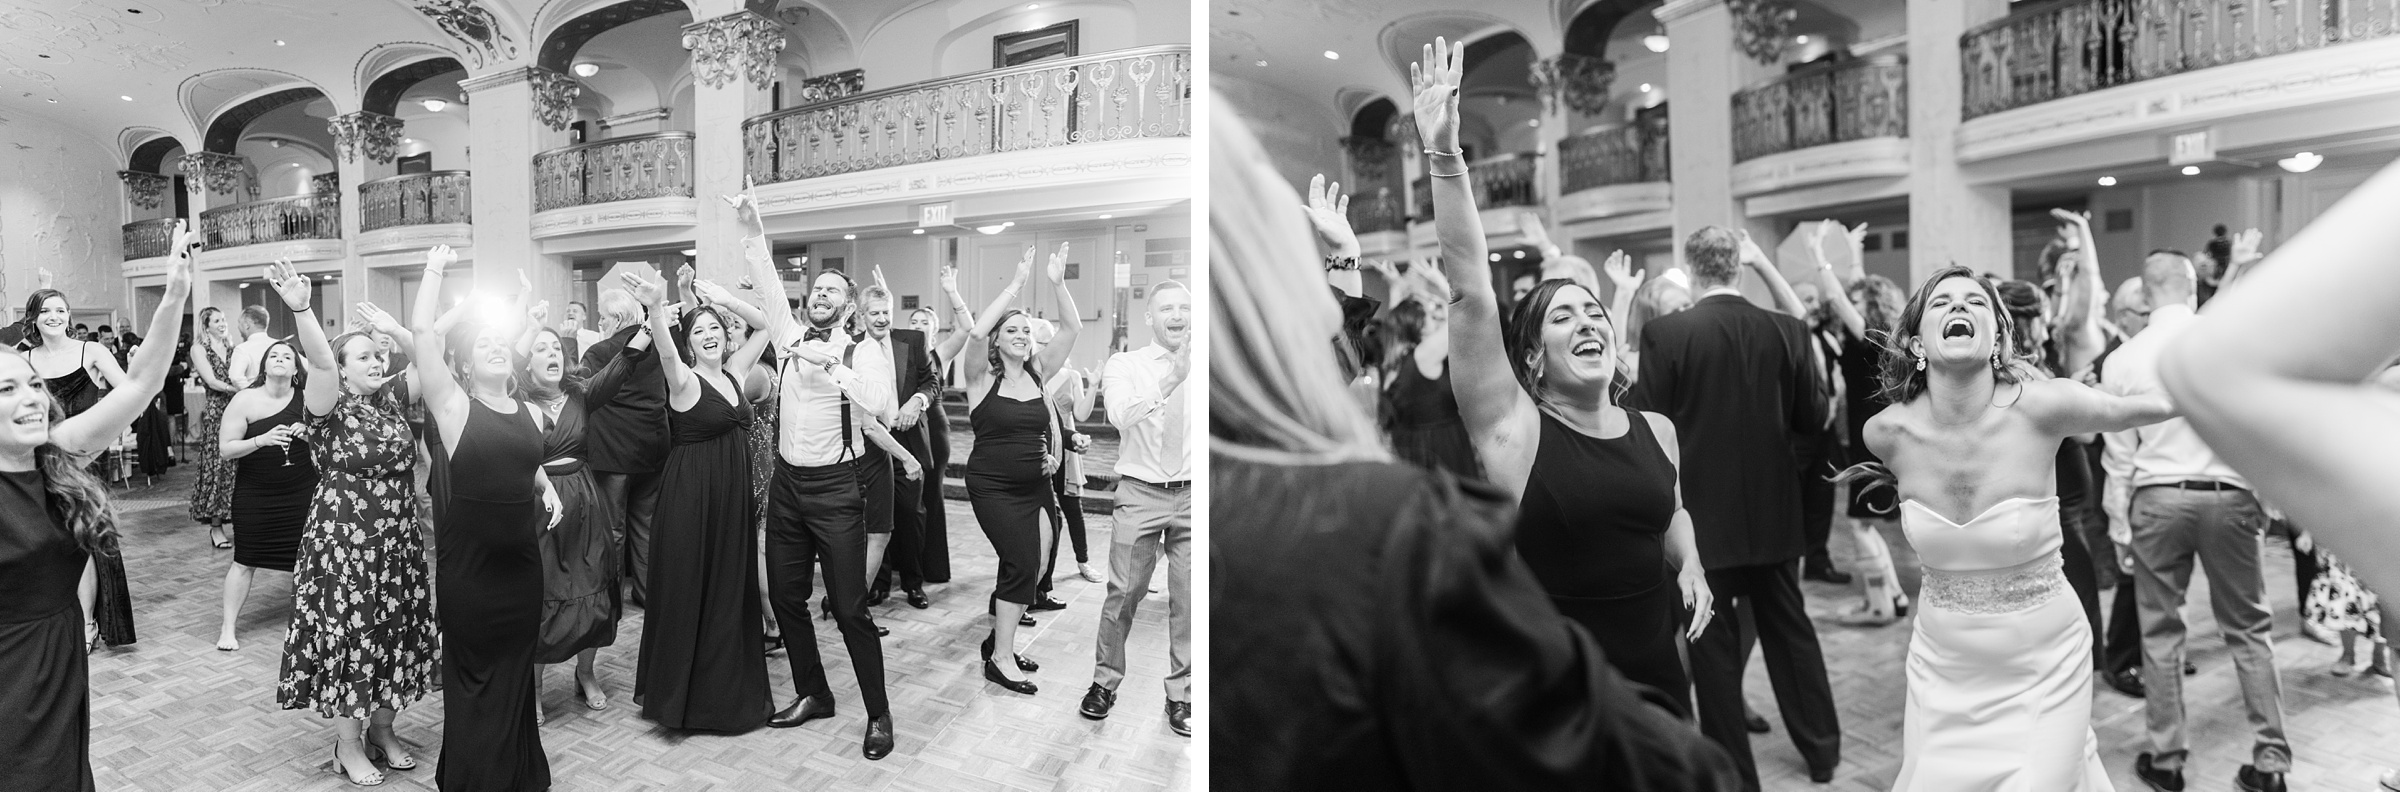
2190,148
933,215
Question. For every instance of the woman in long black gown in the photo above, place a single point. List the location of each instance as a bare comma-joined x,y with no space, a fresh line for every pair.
1016,452
579,572
1601,518
700,665
53,517
271,491
77,373
487,545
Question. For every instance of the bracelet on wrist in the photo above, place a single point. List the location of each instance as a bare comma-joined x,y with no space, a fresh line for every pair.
1430,152
1341,263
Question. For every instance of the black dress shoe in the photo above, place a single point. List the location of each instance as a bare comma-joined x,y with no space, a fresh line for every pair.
1098,701
880,630
991,671
2128,682
2249,779
1047,603
2162,780
774,642
2189,669
1179,717
917,600
879,738
1026,621
802,711
1023,664
1756,723
1824,776
878,595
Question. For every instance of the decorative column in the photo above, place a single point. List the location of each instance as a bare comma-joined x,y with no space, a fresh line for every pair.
1570,85
1950,220
733,68
209,173
358,138
1706,67
507,136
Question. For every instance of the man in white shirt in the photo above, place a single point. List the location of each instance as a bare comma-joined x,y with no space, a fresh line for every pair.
1148,403
573,328
246,355
2186,504
816,505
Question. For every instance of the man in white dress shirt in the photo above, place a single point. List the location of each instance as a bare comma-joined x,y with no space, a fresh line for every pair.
1148,403
816,504
243,368
2186,504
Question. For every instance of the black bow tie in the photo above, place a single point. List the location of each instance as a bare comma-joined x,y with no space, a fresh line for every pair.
817,334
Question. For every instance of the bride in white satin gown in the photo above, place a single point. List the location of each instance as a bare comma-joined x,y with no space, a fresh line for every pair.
1999,680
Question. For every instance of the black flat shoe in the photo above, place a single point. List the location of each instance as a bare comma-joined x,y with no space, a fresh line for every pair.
917,600
879,738
1097,702
2250,779
773,642
802,711
1756,723
1023,664
991,671
1026,621
1047,603
2161,780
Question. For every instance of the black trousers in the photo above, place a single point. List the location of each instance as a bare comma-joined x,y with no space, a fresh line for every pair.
934,558
905,558
2124,651
637,493
818,512
1795,666
1816,499
1066,512
2077,562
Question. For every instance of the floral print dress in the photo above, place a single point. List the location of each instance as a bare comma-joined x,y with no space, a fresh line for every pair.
362,635
2337,602
212,495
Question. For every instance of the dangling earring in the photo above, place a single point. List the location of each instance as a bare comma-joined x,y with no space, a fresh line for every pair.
1920,363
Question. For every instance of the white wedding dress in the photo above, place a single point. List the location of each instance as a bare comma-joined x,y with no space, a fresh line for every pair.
1999,668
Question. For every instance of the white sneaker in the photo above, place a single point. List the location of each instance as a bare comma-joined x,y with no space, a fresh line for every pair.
1088,572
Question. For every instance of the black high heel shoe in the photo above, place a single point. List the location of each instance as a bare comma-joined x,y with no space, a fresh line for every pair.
1027,666
991,671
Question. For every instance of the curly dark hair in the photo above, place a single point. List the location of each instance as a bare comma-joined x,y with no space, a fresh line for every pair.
1901,379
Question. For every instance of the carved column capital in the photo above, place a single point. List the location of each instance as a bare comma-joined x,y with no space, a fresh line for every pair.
1576,82
553,97
1760,27
741,42
145,190
828,87
373,134
211,171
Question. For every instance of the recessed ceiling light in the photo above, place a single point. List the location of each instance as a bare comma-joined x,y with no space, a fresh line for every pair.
407,140
1800,39
1533,122
849,236
918,231
1520,254
1655,42
1262,64
1645,87
691,251
126,98
1104,217
52,101
2302,162
2191,170
997,228
279,42
1332,55
2108,181
435,104
1495,257
586,69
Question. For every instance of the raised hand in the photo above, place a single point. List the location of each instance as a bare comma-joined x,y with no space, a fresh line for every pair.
1752,254
745,204
1433,81
649,292
1329,212
179,273
539,313
1058,265
949,278
289,284
1024,267
1529,222
880,283
375,317
2075,227
185,237
683,278
2245,245
710,293
440,258
1620,272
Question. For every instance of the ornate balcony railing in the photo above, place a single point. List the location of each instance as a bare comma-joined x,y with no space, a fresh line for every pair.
414,199
149,238
1852,100
310,216
1420,203
2081,46
1377,211
1505,180
657,165
1629,154
1121,95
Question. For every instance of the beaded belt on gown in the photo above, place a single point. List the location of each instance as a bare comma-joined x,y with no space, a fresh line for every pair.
2005,590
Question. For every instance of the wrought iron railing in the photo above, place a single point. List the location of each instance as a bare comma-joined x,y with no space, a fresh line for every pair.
1852,100
414,199
308,216
149,238
1505,180
1629,154
2081,46
1380,210
656,165
1121,95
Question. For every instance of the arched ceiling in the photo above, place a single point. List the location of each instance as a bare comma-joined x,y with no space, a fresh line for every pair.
1375,38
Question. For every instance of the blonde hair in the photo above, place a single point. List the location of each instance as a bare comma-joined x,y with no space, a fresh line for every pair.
1275,392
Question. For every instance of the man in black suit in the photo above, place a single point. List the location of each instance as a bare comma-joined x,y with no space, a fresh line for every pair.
627,438
1737,381
916,388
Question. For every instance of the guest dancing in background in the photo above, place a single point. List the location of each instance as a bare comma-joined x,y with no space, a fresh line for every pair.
76,372
1071,394
580,599
54,515
271,492
488,571
362,644
212,491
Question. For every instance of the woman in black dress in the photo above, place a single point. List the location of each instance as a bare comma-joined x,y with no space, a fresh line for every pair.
1016,452
700,665
212,492
579,557
1420,410
54,516
271,491
487,545
77,373
1601,518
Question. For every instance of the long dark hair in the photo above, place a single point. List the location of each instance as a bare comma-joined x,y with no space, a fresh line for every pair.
299,366
991,351
78,500
1900,377
570,371
33,312
1521,336
683,334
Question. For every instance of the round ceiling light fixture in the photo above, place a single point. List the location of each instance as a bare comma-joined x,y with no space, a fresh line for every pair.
586,69
434,104
2191,170
1655,42
2302,162
2108,181
849,236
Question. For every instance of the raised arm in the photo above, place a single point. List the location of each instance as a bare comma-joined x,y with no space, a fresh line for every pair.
1624,282
94,428
1780,290
2271,377
104,365
1070,323
1830,282
947,349
1499,415
978,366
683,386
2066,408
776,316
444,400
2077,324
739,363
